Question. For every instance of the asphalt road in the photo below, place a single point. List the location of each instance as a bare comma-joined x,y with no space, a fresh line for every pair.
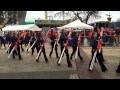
29,69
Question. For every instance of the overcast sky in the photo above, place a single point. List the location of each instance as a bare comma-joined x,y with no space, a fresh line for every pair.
31,15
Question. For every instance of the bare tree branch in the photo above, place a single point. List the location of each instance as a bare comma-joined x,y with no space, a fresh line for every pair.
83,16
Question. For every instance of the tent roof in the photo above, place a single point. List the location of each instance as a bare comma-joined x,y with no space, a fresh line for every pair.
31,27
77,24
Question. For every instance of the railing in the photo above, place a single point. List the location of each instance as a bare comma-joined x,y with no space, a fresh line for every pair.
107,40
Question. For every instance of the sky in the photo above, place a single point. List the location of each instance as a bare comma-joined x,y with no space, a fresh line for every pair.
32,15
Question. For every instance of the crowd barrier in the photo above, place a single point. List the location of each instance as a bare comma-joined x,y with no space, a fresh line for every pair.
107,40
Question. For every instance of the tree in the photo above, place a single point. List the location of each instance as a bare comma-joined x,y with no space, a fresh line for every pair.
1,13
62,14
10,17
1,17
83,16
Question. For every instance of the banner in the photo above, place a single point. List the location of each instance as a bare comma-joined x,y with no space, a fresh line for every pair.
51,21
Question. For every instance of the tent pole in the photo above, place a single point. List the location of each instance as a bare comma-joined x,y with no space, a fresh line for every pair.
85,39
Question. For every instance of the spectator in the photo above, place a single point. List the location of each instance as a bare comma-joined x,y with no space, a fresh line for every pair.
117,37
110,37
104,37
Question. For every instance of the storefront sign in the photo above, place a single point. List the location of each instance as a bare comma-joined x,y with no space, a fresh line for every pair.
51,21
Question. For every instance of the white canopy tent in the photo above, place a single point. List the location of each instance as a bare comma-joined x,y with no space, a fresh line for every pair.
77,24
30,27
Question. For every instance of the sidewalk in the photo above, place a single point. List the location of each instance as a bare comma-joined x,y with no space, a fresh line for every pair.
29,69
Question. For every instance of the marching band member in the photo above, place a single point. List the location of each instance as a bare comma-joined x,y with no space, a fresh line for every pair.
15,43
53,39
41,46
96,44
62,41
75,43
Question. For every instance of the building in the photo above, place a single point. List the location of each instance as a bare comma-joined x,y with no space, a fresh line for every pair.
100,24
51,23
105,24
46,24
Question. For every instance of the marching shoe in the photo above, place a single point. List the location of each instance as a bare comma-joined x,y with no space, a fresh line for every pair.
20,59
81,58
57,57
70,65
58,64
13,58
104,70
71,58
50,56
37,60
89,69
47,61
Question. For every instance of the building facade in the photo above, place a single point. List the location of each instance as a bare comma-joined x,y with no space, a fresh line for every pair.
51,23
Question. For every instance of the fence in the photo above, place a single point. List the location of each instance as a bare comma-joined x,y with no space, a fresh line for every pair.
107,40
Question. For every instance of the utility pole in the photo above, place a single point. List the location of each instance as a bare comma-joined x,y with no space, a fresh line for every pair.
46,15
109,14
109,18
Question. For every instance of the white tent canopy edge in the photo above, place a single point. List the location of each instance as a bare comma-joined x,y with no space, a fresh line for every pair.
77,24
30,27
